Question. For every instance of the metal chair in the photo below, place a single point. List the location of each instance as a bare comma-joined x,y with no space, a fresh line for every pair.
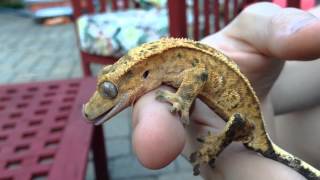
177,20
89,7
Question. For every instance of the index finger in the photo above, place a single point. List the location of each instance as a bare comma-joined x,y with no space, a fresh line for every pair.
158,136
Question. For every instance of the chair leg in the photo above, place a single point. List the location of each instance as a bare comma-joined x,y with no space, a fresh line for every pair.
85,64
99,154
86,68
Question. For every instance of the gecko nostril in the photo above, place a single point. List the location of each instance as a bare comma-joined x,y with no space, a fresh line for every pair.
84,112
85,115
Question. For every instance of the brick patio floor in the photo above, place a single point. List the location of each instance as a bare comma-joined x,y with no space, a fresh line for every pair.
30,52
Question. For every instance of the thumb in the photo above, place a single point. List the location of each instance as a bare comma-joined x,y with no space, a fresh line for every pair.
283,33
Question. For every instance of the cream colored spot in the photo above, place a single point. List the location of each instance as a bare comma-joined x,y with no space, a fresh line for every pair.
217,81
229,99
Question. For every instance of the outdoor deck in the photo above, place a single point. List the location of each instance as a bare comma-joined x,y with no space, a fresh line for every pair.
30,52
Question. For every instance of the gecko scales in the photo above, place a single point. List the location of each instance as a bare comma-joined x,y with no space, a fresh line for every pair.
196,70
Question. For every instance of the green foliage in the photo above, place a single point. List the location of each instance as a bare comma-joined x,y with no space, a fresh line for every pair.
11,4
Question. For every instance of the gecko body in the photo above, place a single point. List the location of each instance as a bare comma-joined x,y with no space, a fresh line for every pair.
196,70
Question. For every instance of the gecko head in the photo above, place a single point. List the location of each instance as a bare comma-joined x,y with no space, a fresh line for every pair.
119,85
105,103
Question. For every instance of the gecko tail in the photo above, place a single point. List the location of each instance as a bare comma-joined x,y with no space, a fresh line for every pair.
278,154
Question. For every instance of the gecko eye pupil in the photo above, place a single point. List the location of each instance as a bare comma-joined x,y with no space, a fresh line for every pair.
145,74
109,90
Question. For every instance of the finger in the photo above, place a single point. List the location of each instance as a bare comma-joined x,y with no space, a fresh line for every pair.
284,33
158,136
316,11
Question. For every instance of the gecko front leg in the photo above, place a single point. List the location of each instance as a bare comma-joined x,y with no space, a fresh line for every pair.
191,85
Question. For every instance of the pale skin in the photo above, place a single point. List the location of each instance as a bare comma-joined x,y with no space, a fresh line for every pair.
258,40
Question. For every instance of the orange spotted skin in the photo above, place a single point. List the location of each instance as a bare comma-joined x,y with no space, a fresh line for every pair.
196,70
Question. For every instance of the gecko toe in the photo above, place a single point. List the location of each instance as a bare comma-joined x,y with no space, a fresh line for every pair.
200,140
212,163
193,157
196,170
175,107
185,117
160,96
177,104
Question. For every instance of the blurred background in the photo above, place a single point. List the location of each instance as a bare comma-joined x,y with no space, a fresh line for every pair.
45,40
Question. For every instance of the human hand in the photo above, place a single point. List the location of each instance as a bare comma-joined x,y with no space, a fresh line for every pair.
258,39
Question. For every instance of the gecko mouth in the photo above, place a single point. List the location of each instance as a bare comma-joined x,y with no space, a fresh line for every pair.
102,118
122,104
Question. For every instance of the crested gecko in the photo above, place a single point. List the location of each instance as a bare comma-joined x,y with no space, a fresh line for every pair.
196,70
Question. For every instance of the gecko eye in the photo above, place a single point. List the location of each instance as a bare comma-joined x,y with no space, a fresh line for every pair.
109,90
